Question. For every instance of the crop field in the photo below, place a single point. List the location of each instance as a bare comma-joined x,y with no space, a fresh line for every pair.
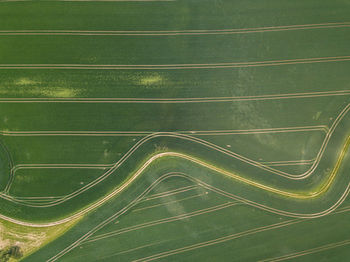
174,130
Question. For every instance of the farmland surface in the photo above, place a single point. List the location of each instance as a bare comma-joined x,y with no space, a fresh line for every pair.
175,130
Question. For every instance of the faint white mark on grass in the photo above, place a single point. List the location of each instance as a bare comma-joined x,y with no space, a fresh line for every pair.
132,249
167,203
105,153
317,115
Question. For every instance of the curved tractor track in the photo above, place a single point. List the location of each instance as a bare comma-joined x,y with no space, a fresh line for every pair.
262,187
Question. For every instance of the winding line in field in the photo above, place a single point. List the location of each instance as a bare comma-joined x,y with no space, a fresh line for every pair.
119,189
48,166
46,200
113,217
214,189
225,151
125,157
43,200
139,133
213,146
308,195
198,141
10,164
134,148
179,66
172,32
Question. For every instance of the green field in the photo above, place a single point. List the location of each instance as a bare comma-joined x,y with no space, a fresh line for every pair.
175,130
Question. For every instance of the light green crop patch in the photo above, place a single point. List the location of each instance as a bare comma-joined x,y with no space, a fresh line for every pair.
37,88
40,91
152,80
25,81
60,92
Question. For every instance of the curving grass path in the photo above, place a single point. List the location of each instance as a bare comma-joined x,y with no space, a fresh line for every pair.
312,193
